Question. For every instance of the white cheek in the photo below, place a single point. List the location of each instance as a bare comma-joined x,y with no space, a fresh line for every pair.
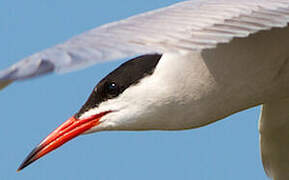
109,105
136,108
110,120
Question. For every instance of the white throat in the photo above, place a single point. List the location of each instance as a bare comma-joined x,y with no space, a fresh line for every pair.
193,89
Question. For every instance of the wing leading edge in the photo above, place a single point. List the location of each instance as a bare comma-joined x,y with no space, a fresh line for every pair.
186,26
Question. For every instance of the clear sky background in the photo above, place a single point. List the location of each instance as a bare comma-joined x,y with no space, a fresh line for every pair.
30,110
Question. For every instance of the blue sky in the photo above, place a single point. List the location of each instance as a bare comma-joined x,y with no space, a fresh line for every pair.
30,110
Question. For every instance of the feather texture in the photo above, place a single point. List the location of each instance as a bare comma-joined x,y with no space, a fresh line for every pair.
186,26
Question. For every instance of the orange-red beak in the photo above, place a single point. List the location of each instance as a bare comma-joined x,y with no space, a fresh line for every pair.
68,130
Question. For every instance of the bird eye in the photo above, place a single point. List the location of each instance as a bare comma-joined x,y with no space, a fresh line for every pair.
111,89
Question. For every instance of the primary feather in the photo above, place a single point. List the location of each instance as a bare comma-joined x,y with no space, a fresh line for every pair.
186,26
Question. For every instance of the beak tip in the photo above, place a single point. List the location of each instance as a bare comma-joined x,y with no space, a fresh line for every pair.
29,159
22,166
18,170
65,132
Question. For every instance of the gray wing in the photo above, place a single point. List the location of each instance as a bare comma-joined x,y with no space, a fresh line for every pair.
186,26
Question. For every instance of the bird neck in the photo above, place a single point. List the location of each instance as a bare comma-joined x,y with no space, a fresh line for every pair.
193,89
205,86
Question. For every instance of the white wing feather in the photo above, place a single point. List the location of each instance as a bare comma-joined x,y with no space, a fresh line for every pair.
186,26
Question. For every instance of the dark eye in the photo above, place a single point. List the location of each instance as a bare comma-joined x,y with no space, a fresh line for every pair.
111,89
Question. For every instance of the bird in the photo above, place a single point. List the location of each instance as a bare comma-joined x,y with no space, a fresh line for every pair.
194,63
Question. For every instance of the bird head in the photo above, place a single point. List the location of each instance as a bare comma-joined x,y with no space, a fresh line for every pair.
120,101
